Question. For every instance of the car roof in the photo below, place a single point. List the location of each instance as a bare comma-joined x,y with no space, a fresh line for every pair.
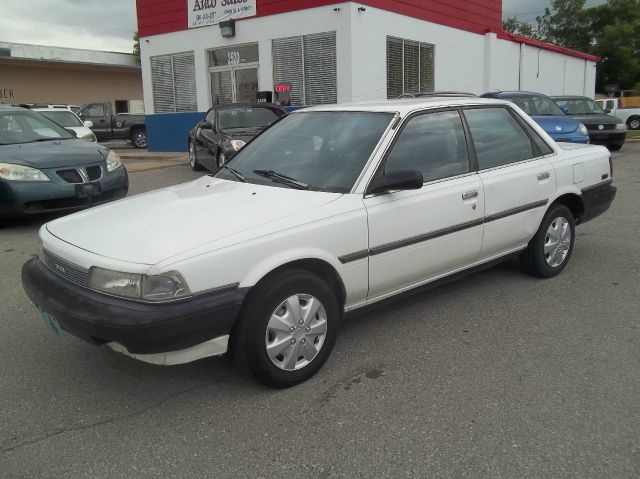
571,97
514,93
269,106
406,105
11,108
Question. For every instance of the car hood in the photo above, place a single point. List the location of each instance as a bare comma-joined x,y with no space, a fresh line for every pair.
597,119
156,226
556,125
53,154
244,134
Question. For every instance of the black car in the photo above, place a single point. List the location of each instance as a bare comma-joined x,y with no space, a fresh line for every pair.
603,129
226,129
45,168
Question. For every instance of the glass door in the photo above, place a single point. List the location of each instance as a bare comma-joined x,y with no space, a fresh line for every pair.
246,84
221,87
234,74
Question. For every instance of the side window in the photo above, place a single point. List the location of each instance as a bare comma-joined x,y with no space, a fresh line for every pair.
433,143
97,109
610,104
498,137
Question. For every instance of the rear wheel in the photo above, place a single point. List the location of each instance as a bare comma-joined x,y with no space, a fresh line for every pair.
550,249
634,123
193,157
287,329
139,138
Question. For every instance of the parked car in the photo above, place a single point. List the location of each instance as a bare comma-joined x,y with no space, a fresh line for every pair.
44,168
603,129
330,209
110,126
557,124
630,115
226,129
69,120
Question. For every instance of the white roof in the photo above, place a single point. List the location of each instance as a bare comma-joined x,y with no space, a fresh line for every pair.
407,105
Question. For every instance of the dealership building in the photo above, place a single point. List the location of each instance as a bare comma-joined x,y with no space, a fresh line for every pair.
200,53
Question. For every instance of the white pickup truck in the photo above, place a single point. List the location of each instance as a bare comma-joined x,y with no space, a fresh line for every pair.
329,210
631,116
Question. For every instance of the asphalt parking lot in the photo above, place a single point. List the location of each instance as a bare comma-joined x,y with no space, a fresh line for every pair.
498,375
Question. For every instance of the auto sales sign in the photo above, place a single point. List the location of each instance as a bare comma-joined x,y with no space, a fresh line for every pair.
211,12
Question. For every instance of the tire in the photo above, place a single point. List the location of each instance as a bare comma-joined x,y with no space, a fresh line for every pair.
298,350
193,157
634,123
221,158
542,258
139,138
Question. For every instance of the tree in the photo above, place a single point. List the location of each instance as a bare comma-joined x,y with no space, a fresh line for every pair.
566,24
136,47
513,25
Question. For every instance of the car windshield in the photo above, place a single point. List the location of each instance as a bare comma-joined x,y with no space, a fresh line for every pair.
537,105
580,106
62,118
324,151
245,118
20,126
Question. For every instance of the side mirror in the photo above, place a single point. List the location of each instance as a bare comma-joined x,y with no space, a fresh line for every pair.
396,180
75,135
607,110
205,125
88,123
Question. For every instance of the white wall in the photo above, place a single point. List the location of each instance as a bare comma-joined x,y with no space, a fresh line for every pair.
463,61
75,55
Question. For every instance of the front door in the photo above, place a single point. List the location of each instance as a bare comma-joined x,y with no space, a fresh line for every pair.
97,114
237,84
418,235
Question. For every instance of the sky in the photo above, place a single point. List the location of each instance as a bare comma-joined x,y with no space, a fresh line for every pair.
109,25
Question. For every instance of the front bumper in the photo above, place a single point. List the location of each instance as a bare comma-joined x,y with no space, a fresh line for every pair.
22,198
610,137
142,328
597,199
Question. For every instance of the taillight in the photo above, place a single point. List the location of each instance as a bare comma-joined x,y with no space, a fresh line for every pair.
610,166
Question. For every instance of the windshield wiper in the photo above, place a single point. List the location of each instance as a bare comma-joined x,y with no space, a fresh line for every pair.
235,172
280,178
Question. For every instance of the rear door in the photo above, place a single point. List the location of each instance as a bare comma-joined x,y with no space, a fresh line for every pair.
417,235
517,177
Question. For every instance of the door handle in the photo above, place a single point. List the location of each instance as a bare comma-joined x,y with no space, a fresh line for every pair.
467,195
543,175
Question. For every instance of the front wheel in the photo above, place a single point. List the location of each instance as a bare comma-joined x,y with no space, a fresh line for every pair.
634,123
193,157
139,138
287,329
550,249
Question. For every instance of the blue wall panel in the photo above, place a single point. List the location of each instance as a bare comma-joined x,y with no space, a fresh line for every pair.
170,131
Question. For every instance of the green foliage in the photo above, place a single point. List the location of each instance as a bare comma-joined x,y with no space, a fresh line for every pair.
136,47
513,25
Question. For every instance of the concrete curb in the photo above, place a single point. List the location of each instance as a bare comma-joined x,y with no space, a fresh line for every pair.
152,165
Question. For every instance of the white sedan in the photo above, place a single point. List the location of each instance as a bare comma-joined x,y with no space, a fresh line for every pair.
70,121
330,209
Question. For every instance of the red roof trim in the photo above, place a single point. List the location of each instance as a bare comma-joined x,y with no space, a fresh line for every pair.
547,46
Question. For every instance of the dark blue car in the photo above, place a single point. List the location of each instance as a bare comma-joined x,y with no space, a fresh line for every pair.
45,168
547,114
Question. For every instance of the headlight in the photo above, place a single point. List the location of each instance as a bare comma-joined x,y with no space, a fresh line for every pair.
583,129
237,144
162,287
89,137
621,126
21,173
113,161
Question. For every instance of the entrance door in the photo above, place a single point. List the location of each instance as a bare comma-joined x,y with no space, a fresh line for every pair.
234,84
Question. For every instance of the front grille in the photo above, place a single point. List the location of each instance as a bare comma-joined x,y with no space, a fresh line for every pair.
595,126
94,172
65,269
70,176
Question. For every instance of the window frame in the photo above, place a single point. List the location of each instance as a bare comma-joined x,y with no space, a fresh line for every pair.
420,45
174,90
399,130
521,122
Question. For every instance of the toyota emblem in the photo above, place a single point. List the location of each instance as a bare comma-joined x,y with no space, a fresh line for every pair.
600,127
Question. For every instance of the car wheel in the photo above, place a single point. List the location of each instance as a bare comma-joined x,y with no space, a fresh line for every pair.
287,329
139,138
550,249
222,158
634,123
193,158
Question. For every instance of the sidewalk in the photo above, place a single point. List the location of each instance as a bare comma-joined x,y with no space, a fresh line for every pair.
136,161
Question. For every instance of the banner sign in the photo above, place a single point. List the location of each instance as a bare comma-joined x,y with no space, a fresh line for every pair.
210,12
